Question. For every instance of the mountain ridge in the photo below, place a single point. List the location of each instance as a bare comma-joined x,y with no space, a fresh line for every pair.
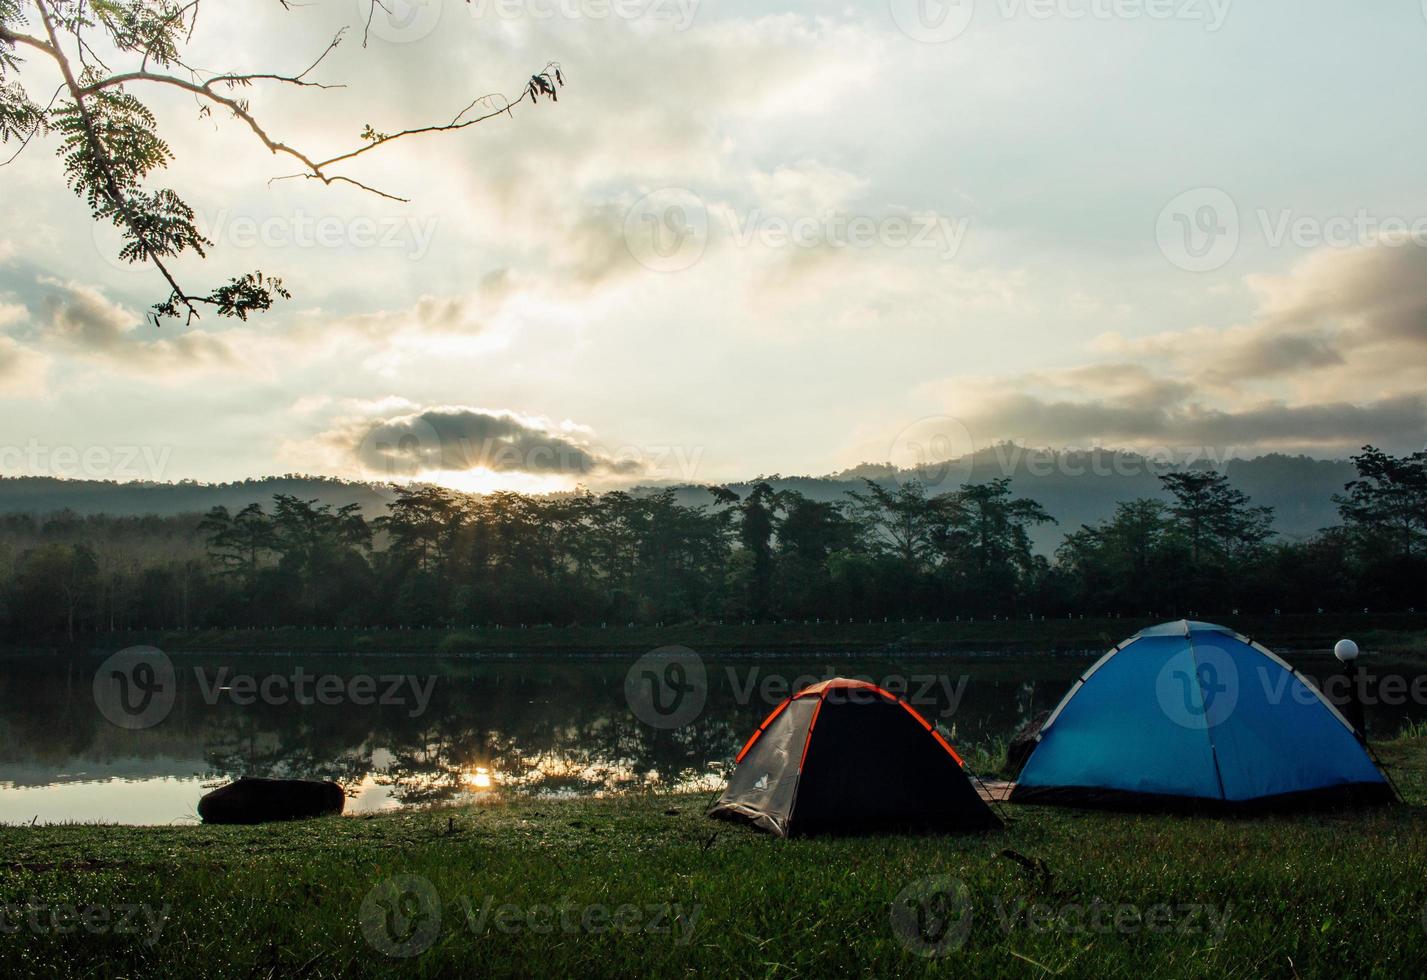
1075,486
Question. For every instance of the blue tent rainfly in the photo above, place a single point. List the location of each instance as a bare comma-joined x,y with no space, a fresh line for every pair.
1190,715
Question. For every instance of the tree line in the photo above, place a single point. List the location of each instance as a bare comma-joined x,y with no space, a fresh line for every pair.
438,557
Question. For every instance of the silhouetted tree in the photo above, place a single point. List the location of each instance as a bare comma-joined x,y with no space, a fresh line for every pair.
1385,508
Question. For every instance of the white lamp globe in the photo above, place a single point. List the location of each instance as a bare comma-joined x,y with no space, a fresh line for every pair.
1346,651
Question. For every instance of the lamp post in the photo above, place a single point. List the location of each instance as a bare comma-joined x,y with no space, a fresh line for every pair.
1347,653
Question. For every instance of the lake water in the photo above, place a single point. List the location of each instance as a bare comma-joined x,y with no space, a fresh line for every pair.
407,731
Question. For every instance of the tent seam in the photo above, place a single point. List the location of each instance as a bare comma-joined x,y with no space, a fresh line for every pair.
798,775
1198,681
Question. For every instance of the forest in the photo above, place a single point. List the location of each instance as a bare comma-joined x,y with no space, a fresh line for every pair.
439,558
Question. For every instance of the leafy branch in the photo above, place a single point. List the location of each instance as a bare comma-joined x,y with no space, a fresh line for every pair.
109,141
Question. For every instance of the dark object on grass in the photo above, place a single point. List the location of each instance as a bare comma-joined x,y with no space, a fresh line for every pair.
1023,743
254,800
846,756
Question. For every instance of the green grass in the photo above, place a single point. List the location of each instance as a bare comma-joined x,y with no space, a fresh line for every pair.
1375,632
1314,895
987,756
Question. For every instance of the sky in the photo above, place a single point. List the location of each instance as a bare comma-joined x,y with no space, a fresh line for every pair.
751,238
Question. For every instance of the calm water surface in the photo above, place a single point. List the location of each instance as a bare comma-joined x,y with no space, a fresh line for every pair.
453,729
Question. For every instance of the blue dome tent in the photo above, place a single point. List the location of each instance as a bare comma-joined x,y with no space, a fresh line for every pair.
1191,715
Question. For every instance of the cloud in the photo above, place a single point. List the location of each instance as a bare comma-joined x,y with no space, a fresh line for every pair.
82,317
596,248
83,320
1264,354
1132,387
12,314
729,110
465,315
1339,318
81,323
455,439
806,188
22,370
556,188
1371,294
1334,356
1186,425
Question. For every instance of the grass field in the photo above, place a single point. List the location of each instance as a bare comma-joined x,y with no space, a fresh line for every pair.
1386,632
646,885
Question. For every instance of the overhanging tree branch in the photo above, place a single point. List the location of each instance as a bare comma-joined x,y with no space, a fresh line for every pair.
110,142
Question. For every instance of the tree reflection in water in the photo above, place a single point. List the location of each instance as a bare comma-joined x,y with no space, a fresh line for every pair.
551,727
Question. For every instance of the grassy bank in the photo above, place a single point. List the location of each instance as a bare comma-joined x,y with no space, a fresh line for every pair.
1394,632
647,886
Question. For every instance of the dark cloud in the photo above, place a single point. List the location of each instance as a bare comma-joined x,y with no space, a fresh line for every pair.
1369,294
1334,307
1122,384
1344,331
1342,316
598,251
1267,355
84,320
1398,422
459,439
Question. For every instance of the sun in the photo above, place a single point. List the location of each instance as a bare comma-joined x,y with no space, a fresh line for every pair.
482,480
479,779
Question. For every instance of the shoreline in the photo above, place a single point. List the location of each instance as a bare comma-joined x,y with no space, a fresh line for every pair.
1302,634
1313,894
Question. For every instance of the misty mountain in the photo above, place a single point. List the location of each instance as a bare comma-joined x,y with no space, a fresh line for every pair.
1076,487
1082,487
44,495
